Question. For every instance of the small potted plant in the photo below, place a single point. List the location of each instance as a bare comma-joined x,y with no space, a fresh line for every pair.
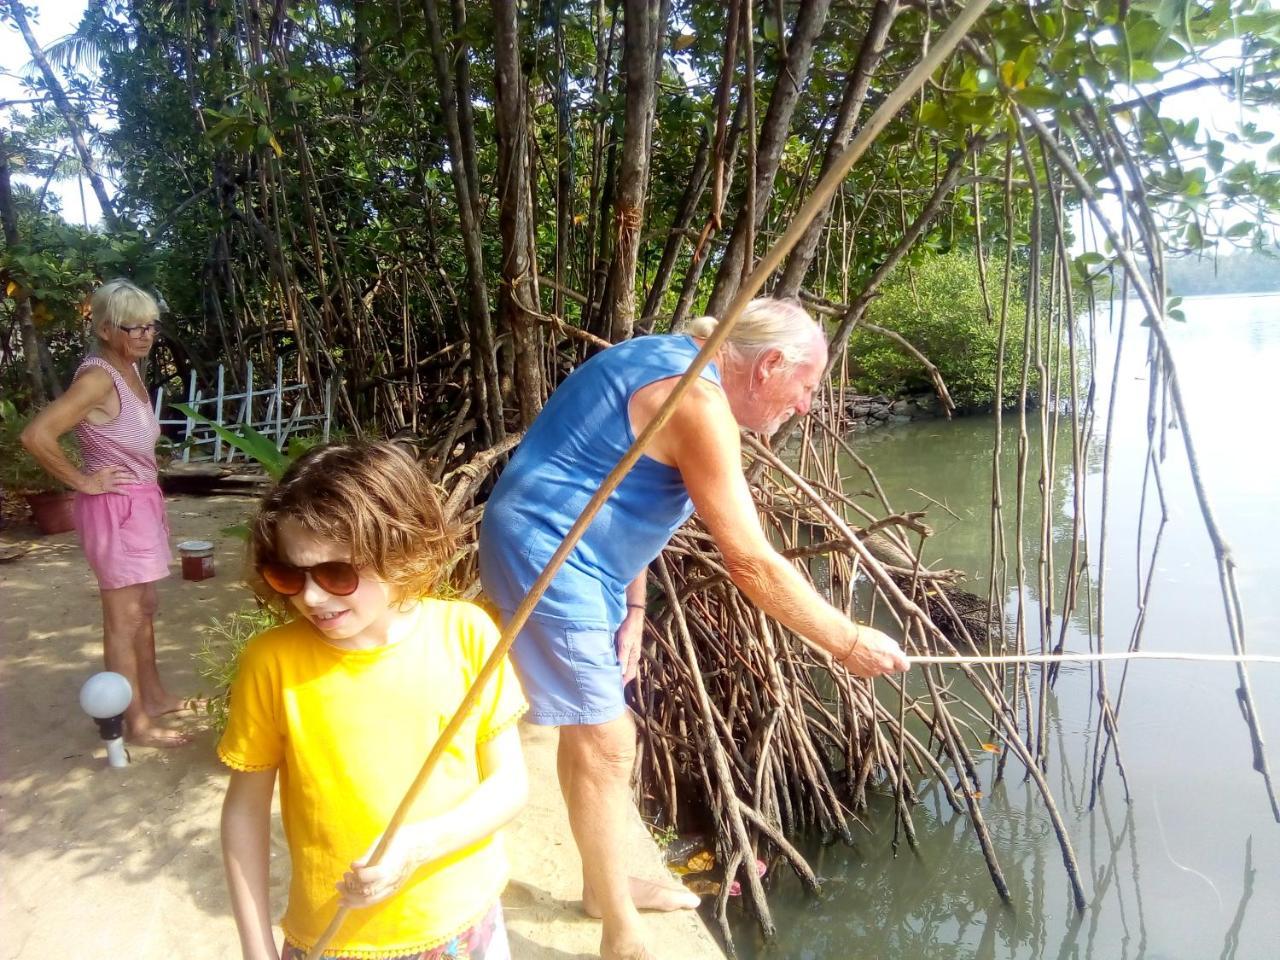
21,476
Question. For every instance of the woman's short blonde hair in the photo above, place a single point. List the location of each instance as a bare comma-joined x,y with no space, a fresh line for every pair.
766,323
119,303
370,496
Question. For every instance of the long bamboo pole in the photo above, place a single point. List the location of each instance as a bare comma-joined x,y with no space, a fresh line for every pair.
817,201
1098,657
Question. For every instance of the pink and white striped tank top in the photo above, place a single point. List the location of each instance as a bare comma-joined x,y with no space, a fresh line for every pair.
129,440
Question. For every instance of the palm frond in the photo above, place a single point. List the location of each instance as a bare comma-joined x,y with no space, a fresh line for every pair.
75,51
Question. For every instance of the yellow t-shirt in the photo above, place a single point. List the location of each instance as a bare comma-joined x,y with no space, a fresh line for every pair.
349,730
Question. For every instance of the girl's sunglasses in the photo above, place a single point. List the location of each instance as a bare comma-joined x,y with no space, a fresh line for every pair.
336,577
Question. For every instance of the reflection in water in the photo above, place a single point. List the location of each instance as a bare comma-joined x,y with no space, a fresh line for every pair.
1232,941
1184,745
951,462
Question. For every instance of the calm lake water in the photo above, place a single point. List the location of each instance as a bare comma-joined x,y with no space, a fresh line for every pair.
1190,868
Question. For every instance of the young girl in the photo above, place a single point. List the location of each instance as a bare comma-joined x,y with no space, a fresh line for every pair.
345,702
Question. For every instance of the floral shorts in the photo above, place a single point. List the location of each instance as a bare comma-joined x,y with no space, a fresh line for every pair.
487,940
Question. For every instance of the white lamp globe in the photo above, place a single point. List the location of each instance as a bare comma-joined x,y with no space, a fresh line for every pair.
105,695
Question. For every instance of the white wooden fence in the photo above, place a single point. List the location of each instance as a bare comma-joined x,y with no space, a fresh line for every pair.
277,411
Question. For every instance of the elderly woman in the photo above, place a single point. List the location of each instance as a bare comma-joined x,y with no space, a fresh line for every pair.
119,510
582,643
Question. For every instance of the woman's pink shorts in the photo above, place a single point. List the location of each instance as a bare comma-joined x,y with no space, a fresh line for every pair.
125,535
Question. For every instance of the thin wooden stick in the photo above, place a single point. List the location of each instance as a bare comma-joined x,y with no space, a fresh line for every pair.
1097,657
750,287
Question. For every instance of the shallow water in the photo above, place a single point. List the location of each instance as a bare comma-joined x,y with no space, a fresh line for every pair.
1190,868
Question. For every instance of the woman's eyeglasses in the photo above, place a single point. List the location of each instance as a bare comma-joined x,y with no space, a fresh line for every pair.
336,577
140,331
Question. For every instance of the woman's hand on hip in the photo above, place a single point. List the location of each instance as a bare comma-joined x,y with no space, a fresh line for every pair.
873,654
106,480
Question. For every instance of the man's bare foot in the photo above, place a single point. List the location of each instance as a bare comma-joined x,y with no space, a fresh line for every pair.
171,706
152,735
649,895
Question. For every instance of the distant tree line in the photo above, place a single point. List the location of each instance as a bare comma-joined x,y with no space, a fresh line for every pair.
1206,273
1251,271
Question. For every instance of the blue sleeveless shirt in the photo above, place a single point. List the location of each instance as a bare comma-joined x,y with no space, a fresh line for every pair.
580,436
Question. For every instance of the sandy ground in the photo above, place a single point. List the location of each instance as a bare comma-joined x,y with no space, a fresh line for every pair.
101,863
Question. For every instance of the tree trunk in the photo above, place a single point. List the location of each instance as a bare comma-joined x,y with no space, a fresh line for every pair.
659,32
69,117
361,15
466,115
488,394
595,316
22,300
641,35
600,192
773,137
855,93
517,305
564,166
675,237
726,165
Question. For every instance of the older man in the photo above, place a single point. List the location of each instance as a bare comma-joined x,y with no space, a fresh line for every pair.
582,643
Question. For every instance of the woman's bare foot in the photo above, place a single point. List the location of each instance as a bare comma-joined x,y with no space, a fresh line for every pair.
153,735
634,951
171,706
639,953
649,895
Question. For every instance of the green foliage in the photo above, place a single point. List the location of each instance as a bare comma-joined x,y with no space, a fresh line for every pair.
937,305
663,836
58,264
258,447
19,472
218,656
55,265
248,441
291,194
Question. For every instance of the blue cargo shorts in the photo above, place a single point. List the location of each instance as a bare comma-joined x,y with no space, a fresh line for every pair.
570,672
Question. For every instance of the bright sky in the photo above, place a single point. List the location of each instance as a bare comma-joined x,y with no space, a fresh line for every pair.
54,19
